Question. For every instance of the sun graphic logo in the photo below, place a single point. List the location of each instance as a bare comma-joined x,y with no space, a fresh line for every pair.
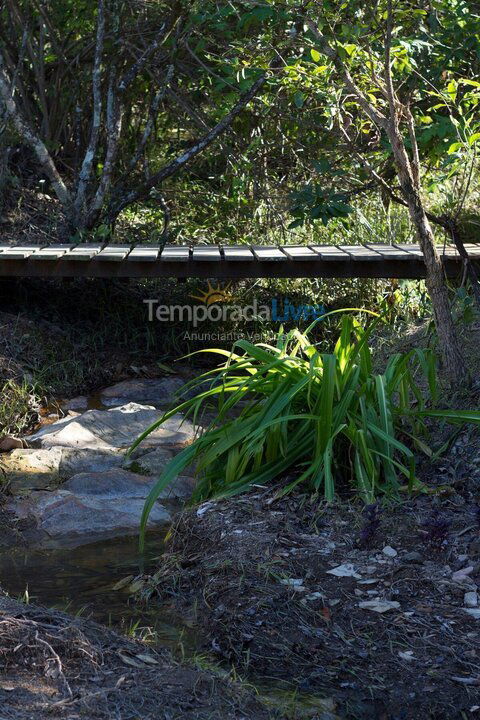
214,295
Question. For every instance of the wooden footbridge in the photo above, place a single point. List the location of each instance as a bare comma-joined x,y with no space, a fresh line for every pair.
212,261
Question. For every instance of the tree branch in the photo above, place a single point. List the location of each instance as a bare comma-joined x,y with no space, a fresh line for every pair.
375,115
152,114
415,162
86,169
182,160
29,136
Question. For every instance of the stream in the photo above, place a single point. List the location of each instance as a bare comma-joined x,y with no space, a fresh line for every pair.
80,580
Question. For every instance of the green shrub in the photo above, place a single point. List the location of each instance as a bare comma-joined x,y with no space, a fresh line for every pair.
18,408
322,420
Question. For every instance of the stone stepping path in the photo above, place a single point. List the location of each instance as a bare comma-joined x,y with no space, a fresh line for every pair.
74,485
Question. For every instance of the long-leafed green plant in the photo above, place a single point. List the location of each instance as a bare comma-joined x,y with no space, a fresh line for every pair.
323,420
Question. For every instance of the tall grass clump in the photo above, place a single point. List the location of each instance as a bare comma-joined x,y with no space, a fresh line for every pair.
326,421
18,408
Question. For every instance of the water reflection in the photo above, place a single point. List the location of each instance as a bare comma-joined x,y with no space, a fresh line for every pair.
81,580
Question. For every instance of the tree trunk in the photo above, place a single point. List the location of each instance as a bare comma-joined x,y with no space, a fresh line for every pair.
447,335
469,266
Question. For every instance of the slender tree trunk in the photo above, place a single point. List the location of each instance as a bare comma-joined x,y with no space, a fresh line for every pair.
469,266
435,280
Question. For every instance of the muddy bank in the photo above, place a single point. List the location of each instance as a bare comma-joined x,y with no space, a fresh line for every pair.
56,666
379,613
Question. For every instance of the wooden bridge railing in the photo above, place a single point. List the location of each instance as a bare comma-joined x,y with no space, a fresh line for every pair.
374,260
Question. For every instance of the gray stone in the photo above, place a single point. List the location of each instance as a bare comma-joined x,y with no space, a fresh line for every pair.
95,505
120,483
65,516
474,612
76,403
470,599
151,463
78,460
111,484
159,392
389,551
115,428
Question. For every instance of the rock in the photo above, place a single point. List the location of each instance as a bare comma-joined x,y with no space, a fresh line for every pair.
111,484
31,469
83,519
413,557
346,570
158,392
94,505
80,460
151,463
379,606
76,403
9,442
389,551
115,428
470,599
474,612
120,483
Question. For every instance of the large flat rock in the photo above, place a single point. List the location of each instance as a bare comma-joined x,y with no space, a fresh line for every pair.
116,428
37,469
90,506
117,484
159,392
63,515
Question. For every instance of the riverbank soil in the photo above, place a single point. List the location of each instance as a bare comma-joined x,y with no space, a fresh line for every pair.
377,611
56,666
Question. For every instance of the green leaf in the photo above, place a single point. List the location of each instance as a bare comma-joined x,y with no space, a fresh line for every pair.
299,99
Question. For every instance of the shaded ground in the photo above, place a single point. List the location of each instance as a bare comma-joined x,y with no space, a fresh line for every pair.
256,573
56,666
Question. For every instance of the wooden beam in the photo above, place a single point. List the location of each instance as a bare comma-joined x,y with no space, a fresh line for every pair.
238,262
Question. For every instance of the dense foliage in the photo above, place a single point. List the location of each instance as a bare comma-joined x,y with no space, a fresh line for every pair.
327,421
299,152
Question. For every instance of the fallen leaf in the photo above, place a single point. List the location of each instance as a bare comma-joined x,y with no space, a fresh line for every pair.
123,582
406,655
133,662
147,659
294,582
379,606
326,614
345,570
462,574
466,680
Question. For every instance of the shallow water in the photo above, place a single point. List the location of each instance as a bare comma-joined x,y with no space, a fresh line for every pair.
81,580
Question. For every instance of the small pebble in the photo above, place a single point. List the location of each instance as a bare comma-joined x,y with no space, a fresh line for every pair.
389,551
470,599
